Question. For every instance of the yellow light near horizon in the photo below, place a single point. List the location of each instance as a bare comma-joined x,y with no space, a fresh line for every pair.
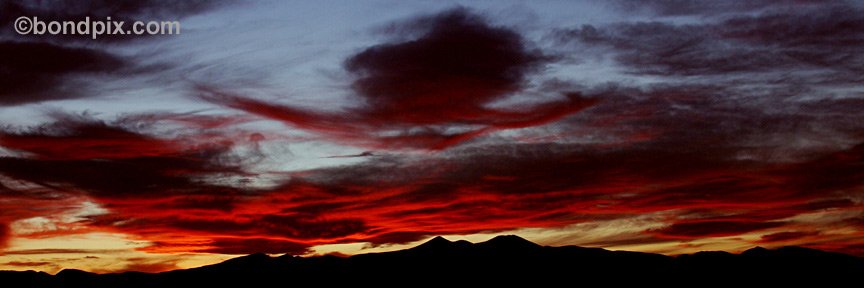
117,252
95,252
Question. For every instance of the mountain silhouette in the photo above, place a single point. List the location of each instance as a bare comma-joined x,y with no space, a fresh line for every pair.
503,260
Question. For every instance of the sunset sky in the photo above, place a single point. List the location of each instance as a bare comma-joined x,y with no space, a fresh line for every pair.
317,127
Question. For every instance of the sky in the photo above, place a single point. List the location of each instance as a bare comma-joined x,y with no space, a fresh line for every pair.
347,127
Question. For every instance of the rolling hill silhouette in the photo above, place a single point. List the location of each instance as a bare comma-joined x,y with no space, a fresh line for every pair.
503,260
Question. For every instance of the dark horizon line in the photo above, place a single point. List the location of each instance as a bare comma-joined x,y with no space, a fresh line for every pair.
507,241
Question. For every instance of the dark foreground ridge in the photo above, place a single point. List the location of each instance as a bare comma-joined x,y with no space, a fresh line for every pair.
504,260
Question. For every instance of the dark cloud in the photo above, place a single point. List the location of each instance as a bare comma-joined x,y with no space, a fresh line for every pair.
149,266
786,236
305,228
104,159
259,245
823,39
450,72
721,121
34,72
837,171
432,91
132,176
629,240
657,48
696,230
218,202
397,237
694,7
37,68
286,226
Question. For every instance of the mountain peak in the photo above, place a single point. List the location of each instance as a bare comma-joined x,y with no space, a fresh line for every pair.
439,239
73,273
436,243
758,250
256,259
510,242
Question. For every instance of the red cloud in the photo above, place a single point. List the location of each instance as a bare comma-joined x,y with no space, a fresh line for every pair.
4,234
688,153
387,200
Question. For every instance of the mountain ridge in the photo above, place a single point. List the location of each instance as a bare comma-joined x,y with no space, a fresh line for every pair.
502,260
